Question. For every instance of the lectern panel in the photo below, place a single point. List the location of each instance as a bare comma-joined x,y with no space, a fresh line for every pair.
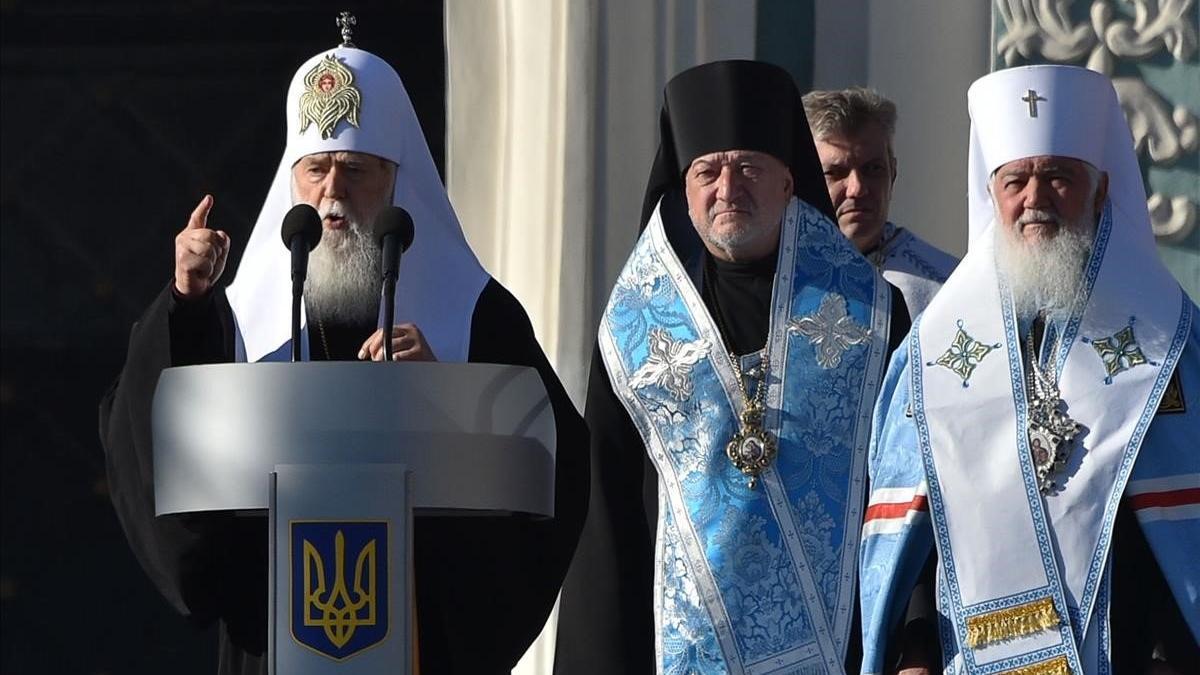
476,437
341,545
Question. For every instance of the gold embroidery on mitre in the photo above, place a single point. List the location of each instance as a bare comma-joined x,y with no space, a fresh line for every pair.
329,97
1013,622
1055,666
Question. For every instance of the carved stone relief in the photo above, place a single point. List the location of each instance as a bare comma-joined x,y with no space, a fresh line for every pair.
1163,131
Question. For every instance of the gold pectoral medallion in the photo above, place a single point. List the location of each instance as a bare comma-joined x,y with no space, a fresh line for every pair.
752,448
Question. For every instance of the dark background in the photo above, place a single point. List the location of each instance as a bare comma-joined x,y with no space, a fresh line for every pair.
116,118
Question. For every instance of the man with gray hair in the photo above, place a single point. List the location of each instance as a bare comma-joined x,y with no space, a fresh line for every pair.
854,130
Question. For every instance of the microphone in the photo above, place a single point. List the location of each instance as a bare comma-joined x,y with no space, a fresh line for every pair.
301,233
394,234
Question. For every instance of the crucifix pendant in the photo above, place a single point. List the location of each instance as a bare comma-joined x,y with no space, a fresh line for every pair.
752,448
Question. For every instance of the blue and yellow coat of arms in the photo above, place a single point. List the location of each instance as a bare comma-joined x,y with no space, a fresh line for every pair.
339,586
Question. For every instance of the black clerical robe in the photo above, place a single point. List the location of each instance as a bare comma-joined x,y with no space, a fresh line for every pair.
607,612
484,585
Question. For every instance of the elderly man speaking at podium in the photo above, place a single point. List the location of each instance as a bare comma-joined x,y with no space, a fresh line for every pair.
484,586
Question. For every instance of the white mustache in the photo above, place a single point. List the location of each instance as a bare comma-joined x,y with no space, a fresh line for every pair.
1039,216
334,208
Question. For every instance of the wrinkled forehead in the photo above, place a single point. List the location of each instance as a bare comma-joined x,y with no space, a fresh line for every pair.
345,156
1042,164
738,155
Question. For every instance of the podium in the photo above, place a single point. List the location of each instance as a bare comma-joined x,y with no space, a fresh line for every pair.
339,456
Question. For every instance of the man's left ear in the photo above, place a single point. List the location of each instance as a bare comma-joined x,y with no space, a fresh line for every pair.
895,167
1101,191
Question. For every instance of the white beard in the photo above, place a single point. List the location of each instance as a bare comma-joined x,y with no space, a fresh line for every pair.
343,273
1045,275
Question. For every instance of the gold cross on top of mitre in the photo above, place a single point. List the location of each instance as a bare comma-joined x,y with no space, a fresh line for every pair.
346,23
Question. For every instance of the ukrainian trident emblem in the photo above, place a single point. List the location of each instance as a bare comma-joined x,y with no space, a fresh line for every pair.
339,609
329,97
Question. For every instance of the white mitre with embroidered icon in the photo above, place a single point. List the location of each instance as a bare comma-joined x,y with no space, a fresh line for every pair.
349,100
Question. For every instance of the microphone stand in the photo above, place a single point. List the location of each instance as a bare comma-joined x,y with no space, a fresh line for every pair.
297,298
389,313
394,234
301,233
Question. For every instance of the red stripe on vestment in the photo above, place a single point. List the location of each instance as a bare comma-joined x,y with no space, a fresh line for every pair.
1163,499
896,510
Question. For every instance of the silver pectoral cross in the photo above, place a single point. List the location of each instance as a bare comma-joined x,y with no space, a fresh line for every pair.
1032,99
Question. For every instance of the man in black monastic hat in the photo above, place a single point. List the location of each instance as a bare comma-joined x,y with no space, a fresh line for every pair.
730,401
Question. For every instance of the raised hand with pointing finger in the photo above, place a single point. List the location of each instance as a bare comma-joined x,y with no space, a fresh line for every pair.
200,253
354,148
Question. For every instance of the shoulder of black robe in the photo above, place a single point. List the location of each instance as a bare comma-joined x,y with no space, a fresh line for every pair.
166,548
208,568
1144,613
606,618
491,581
486,585
899,322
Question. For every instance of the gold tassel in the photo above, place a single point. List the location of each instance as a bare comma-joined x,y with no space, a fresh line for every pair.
1010,623
1055,666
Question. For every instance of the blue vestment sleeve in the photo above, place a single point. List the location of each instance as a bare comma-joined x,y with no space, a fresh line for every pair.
1163,485
897,538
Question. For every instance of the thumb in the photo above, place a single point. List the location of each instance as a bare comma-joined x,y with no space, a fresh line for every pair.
199,217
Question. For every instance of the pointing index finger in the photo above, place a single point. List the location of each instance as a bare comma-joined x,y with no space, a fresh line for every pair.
199,217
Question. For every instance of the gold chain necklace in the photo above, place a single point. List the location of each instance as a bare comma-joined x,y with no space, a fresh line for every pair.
324,342
752,448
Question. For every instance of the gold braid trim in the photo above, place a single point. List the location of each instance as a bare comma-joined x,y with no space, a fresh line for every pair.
1010,623
1055,666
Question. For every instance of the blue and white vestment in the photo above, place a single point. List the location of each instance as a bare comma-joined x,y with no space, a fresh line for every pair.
912,265
753,580
1024,578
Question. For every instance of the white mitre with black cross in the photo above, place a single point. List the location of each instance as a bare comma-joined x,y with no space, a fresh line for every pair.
974,398
1049,110
347,99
